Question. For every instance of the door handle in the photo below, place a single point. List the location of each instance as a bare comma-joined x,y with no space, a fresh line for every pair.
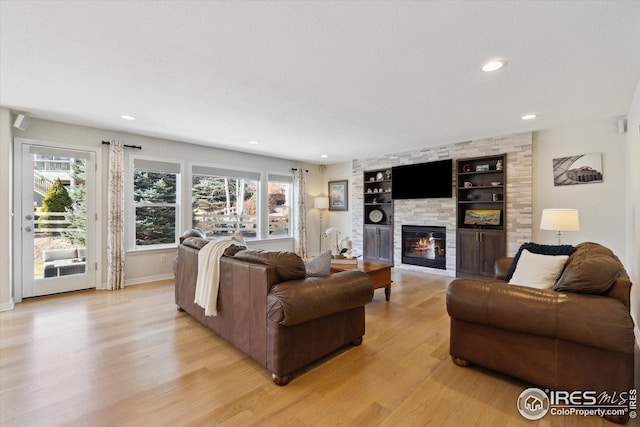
27,228
28,217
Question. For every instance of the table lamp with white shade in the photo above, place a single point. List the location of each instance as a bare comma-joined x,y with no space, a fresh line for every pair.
560,220
322,203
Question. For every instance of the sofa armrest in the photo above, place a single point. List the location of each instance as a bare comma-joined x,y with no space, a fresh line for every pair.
298,301
501,267
594,320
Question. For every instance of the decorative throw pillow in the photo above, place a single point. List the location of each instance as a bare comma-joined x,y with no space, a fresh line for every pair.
538,271
319,266
592,270
538,249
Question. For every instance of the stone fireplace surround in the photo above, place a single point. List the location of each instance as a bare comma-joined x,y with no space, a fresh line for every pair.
442,212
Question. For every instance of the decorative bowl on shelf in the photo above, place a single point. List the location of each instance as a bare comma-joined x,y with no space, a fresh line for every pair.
495,183
376,215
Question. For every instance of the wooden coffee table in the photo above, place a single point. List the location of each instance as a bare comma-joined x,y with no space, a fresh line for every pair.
379,273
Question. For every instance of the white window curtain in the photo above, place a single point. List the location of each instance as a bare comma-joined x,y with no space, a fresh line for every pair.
115,235
300,211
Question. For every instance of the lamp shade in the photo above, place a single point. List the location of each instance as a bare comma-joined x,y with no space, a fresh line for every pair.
321,202
560,220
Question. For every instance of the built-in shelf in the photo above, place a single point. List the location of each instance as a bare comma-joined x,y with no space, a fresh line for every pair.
378,216
481,215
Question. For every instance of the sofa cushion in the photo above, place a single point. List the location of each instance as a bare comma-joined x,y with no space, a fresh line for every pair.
538,271
538,249
319,266
289,265
195,242
591,270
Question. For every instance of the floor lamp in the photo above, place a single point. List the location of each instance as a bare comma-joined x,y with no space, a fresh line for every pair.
560,220
322,203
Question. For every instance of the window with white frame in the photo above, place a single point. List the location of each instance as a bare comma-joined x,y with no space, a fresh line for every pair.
279,205
225,201
156,188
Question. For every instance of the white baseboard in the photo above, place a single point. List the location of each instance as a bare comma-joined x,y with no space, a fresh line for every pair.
147,279
7,305
140,280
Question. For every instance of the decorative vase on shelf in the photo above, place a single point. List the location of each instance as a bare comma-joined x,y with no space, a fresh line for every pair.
499,165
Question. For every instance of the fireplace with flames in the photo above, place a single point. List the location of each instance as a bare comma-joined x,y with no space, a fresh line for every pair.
424,245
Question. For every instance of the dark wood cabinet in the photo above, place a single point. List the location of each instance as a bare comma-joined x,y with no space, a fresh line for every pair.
477,252
378,243
481,215
378,216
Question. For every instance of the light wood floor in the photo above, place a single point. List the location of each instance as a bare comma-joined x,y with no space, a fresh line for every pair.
128,358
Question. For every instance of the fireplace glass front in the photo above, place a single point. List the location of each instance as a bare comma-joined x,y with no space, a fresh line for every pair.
424,246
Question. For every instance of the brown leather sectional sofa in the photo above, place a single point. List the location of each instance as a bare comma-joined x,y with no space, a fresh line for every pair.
270,311
557,339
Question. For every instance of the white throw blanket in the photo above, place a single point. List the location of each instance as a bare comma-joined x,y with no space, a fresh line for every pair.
209,274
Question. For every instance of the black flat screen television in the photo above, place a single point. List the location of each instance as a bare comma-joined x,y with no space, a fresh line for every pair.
430,180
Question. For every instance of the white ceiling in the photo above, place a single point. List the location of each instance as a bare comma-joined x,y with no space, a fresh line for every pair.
347,79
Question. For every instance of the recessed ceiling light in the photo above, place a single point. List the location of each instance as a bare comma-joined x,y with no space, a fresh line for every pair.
253,142
529,116
127,117
324,156
494,65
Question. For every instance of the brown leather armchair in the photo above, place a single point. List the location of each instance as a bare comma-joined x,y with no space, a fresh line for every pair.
559,340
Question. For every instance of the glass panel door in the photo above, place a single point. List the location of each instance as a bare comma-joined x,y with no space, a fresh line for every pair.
57,190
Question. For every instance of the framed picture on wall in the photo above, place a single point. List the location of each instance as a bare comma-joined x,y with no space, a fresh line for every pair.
580,169
339,195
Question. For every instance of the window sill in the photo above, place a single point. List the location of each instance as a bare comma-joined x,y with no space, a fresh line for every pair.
171,248
276,239
140,251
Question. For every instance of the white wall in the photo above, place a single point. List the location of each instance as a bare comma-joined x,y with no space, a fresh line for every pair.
6,223
609,211
632,209
316,186
601,206
338,219
147,265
